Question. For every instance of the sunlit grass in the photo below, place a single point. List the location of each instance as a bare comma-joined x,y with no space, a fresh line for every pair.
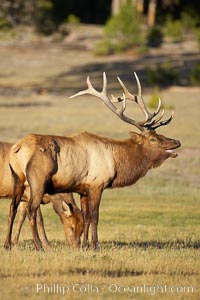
142,240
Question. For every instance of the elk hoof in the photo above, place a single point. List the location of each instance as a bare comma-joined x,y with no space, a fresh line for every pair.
95,246
38,247
85,246
7,246
47,246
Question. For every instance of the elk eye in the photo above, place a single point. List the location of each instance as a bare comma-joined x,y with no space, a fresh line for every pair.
153,140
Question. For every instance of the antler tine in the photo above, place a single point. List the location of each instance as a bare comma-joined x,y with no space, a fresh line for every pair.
121,111
148,115
162,123
90,90
142,105
116,100
104,89
153,122
127,94
161,116
159,107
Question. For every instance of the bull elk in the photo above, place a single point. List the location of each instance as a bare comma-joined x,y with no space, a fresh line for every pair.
87,163
63,204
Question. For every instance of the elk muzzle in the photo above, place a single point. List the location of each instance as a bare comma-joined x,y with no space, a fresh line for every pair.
174,144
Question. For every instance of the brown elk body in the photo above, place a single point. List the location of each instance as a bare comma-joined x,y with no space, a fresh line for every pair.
87,163
63,204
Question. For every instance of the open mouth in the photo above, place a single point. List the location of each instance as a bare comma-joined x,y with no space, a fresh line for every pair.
171,151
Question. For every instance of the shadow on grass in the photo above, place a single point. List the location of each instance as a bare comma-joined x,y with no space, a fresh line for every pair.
121,273
75,79
25,104
110,273
174,245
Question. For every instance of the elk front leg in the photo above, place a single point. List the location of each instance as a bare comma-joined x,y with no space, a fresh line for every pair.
94,203
40,223
86,218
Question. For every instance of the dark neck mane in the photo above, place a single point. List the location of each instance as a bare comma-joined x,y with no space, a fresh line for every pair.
130,163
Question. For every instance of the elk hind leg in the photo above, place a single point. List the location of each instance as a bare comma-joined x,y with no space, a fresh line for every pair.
37,188
32,210
18,189
38,177
22,216
21,219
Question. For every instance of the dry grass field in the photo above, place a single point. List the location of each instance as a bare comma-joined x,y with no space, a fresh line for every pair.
149,232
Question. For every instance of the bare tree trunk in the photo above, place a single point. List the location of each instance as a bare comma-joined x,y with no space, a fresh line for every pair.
116,4
139,5
151,18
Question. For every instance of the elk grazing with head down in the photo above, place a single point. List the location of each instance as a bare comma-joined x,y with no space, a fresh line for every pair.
64,204
87,163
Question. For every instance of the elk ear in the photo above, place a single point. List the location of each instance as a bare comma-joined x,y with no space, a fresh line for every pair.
136,137
68,208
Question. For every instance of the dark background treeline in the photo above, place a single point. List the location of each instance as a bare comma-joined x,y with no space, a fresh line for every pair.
47,15
98,11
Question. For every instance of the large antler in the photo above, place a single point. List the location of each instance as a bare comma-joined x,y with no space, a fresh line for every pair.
148,123
108,101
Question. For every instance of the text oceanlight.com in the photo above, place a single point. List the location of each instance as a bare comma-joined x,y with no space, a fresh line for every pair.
62,289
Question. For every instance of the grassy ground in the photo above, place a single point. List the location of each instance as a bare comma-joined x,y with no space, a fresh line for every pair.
149,233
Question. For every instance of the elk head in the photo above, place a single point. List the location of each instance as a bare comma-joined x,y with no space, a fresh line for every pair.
73,224
158,147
